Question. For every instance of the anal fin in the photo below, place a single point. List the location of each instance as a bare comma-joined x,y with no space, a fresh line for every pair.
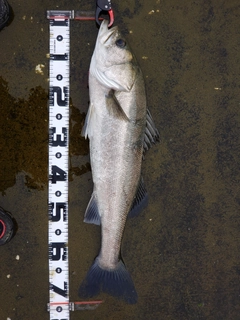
92,214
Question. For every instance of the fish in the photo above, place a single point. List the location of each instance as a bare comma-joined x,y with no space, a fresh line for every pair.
120,129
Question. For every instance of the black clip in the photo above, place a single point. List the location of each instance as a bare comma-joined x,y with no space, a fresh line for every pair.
105,6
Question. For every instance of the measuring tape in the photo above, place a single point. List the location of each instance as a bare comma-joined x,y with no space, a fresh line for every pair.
59,88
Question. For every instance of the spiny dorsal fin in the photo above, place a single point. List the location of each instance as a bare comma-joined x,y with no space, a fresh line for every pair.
151,133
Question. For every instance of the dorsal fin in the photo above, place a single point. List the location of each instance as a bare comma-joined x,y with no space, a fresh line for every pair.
151,133
140,201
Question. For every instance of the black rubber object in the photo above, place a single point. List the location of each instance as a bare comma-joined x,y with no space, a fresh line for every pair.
6,226
4,13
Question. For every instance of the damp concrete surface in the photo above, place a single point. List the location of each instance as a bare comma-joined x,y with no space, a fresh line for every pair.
183,249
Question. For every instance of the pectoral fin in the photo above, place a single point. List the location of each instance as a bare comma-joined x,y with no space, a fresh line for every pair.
114,107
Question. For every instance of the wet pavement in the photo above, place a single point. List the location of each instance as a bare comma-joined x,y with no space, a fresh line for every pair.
183,250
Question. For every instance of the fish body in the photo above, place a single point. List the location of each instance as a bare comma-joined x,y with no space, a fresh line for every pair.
115,125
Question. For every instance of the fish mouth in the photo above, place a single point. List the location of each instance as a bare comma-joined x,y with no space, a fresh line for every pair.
105,33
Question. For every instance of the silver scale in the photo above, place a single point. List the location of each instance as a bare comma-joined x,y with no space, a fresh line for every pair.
59,306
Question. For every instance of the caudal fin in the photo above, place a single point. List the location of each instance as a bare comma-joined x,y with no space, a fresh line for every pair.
117,283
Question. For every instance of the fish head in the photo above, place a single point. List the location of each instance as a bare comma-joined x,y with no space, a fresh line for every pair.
113,63
112,47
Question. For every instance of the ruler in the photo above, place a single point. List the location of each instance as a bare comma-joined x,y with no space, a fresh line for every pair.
59,306
59,87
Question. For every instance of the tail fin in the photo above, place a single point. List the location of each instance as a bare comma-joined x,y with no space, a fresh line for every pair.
117,282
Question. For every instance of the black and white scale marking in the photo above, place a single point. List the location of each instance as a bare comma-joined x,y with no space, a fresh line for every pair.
58,164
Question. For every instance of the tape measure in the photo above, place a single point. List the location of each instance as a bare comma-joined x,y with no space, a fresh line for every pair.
59,86
59,306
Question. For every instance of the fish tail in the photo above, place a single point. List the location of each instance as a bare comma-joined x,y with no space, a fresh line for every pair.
117,283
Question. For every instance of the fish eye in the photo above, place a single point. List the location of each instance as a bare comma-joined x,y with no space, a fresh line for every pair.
120,43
